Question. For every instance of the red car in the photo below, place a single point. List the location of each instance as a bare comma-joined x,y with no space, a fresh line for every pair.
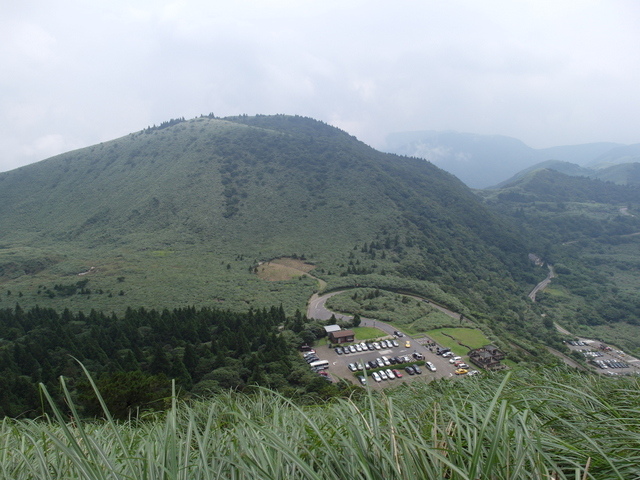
397,373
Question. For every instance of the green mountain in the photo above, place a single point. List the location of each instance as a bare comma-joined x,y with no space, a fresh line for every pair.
566,168
616,156
622,174
590,230
184,214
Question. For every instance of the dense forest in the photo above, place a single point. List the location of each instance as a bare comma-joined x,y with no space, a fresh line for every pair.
134,356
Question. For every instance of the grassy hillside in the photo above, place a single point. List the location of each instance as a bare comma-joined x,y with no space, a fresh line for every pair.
589,230
533,425
182,214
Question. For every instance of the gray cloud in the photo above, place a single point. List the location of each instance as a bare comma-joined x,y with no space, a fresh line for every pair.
548,73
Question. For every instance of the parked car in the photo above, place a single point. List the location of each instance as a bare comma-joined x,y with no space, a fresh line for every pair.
395,344
353,367
364,347
362,380
409,369
390,374
418,356
352,348
416,369
376,345
461,371
373,364
383,375
383,344
370,346
454,359
380,362
430,366
397,373
386,361
375,376
338,350
473,372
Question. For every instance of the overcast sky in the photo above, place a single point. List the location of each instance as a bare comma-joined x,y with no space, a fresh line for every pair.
75,73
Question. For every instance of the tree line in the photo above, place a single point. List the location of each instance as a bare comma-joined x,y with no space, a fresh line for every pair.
133,357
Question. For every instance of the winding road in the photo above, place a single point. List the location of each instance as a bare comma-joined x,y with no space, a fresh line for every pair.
543,284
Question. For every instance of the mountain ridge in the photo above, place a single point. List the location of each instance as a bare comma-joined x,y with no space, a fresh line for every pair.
206,200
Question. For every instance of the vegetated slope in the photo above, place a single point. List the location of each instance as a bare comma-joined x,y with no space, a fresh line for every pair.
538,424
622,174
182,214
557,165
551,185
616,156
589,230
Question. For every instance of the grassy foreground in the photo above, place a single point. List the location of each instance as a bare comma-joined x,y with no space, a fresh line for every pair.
533,425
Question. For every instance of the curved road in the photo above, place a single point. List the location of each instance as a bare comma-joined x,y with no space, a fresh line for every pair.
317,309
543,284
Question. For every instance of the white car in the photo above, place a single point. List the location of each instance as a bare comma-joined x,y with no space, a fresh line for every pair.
454,359
358,347
376,345
352,348
389,374
430,366
383,375
364,347
376,377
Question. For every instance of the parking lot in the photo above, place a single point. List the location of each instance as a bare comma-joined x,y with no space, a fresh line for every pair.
339,363
604,358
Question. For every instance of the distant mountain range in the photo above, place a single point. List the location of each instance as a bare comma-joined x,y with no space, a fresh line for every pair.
483,161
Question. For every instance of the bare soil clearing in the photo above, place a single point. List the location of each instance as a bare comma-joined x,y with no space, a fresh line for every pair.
283,269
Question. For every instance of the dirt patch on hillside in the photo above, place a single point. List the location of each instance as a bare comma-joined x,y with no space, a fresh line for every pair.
283,269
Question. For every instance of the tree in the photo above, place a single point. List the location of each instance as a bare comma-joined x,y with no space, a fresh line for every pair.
356,320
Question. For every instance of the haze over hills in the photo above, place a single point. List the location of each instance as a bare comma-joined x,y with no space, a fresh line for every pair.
184,213
620,174
482,161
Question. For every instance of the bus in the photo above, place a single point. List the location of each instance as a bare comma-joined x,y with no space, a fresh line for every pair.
323,364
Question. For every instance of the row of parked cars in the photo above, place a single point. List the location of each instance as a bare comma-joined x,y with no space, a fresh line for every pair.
610,364
366,346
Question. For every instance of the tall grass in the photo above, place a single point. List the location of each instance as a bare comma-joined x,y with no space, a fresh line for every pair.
501,427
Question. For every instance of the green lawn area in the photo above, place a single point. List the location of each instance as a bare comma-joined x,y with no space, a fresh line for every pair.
472,337
367,333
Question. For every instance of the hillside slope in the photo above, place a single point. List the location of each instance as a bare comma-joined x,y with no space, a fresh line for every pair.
183,213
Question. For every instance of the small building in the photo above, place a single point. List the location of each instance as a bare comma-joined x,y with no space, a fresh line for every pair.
332,328
487,357
342,336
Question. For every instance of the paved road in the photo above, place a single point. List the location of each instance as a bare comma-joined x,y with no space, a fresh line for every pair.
316,309
543,284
